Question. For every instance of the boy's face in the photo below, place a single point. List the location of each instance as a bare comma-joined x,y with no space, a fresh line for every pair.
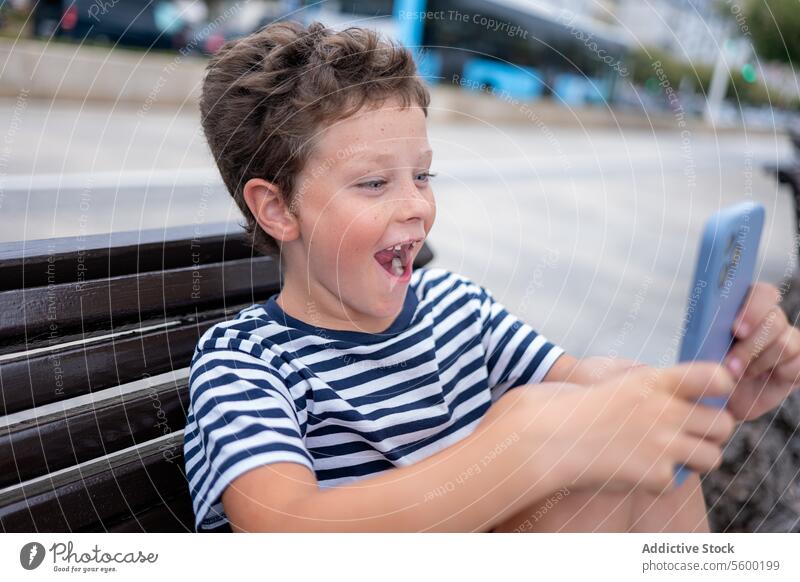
364,189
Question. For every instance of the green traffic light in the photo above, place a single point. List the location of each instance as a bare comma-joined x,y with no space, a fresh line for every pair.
749,73
651,84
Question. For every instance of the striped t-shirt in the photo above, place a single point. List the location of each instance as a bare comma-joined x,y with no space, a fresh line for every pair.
265,387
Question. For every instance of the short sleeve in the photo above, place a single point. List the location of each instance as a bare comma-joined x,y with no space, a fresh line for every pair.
241,416
515,353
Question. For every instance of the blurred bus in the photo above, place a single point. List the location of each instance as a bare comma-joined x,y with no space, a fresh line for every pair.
509,47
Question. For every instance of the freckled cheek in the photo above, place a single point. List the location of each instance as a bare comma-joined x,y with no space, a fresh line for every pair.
370,224
340,242
361,238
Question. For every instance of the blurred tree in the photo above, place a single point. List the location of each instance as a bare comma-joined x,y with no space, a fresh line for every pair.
743,88
775,28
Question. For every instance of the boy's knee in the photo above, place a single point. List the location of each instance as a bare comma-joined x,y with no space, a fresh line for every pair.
579,510
681,509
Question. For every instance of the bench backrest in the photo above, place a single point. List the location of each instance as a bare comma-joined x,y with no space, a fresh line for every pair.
96,335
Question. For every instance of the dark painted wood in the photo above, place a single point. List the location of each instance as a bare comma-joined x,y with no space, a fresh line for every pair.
49,311
44,444
171,515
71,371
36,263
73,336
105,491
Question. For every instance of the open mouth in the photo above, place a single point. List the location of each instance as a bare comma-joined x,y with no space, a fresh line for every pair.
397,259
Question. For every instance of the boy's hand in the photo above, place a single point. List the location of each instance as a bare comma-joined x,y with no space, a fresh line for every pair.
630,429
765,358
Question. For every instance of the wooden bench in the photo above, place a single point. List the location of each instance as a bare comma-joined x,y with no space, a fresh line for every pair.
96,336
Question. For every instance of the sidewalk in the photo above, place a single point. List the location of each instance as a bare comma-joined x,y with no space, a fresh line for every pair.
68,71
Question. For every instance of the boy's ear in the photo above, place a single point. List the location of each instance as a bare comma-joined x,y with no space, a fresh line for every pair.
265,201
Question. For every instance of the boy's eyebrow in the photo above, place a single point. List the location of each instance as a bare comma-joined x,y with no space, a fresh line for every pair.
385,157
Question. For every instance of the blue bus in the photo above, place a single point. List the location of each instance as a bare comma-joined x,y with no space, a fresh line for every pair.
510,47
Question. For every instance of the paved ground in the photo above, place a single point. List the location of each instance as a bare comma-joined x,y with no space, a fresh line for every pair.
589,234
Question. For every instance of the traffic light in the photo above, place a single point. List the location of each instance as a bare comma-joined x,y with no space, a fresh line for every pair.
749,73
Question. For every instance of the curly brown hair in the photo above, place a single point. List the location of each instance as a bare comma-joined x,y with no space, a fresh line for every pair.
266,95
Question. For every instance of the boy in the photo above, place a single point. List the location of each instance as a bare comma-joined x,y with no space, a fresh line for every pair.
367,396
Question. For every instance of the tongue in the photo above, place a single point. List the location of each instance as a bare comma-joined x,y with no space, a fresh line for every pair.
384,257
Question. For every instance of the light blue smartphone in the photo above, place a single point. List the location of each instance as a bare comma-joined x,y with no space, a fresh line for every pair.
722,279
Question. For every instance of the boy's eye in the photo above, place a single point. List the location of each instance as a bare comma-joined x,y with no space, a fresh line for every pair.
376,184
373,184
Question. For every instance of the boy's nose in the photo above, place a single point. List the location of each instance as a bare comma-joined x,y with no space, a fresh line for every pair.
413,204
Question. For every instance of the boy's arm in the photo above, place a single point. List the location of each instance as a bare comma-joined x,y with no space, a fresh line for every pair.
585,371
470,486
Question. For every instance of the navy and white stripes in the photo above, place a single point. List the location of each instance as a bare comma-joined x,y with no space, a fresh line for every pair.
266,387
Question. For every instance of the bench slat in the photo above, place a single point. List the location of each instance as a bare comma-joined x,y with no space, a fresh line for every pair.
50,311
105,491
36,263
171,515
41,445
63,373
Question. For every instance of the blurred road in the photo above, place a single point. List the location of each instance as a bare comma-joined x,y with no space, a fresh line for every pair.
589,234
